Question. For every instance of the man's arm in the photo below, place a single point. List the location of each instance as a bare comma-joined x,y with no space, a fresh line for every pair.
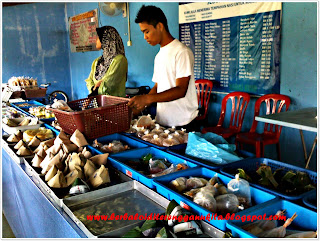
141,101
154,89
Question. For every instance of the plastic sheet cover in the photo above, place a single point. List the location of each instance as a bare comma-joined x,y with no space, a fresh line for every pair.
211,147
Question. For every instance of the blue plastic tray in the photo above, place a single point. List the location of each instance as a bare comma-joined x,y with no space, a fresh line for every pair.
179,150
118,161
258,197
26,109
252,164
310,200
305,221
133,144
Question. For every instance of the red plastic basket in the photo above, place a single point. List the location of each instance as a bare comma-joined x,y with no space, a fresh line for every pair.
103,115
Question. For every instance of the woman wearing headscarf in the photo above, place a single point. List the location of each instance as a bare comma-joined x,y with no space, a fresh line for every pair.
108,74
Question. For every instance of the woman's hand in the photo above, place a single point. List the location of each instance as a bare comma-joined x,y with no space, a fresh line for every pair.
97,85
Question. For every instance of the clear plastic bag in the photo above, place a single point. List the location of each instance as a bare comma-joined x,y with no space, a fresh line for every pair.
141,132
227,203
156,140
170,141
262,225
147,136
241,189
179,137
206,200
170,169
60,105
157,130
279,232
196,182
145,121
179,184
156,166
209,189
206,147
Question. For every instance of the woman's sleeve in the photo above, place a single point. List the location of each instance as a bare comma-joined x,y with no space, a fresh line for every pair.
114,80
89,80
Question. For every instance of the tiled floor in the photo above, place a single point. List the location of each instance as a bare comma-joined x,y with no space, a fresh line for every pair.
6,230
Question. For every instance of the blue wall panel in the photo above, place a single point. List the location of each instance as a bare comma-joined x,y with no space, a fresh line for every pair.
35,44
140,55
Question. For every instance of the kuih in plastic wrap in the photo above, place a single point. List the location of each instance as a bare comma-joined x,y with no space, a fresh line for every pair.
179,184
227,203
206,200
262,225
156,140
60,105
302,234
179,137
241,189
144,121
157,130
147,136
170,141
171,169
156,166
196,182
164,134
209,189
279,232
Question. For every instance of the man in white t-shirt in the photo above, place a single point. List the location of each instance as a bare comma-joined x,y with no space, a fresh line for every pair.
174,90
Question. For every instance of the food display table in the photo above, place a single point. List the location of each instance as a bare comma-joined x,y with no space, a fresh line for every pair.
303,119
29,213
33,210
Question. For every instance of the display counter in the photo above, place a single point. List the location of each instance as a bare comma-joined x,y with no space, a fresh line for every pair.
29,213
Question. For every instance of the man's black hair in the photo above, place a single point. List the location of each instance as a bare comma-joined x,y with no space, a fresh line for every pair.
152,15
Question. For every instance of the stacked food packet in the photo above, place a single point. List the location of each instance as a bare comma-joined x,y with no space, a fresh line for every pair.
148,130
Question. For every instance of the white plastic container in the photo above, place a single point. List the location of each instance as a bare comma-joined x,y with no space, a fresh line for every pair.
12,130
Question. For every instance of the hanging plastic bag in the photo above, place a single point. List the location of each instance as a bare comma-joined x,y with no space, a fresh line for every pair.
241,189
206,147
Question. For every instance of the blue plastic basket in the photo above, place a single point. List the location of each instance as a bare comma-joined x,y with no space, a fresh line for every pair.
125,140
118,161
33,103
258,197
179,150
310,200
305,221
252,164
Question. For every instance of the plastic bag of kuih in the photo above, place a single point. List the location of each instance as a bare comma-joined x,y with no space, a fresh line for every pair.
241,189
211,147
